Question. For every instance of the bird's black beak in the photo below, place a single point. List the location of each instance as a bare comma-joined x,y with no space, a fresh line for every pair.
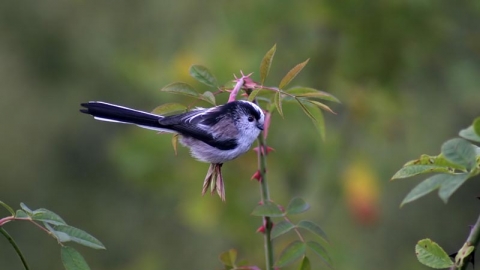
260,126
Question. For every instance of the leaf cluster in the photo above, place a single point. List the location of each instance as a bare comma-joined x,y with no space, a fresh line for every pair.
308,99
458,161
297,249
56,227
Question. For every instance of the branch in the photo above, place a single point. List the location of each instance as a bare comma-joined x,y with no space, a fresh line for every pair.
17,249
472,241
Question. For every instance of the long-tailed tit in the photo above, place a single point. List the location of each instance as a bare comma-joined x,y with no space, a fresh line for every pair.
214,135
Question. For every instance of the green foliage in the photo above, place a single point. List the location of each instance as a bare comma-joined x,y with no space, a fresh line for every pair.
203,75
72,260
297,206
432,255
458,161
57,228
291,253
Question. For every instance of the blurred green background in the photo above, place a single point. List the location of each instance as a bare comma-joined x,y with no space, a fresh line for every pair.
407,73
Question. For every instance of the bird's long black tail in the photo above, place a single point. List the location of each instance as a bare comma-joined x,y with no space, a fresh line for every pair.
114,113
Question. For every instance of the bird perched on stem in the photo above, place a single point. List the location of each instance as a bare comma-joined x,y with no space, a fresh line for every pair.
214,135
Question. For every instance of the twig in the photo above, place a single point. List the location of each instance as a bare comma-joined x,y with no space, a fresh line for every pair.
17,249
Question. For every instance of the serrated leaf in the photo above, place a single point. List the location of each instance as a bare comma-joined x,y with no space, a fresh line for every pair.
181,89
280,228
21,214
292,74
425,187
9,209
267,63
175,143
72,260
45,215
315,114
79,236
413,170
253,94
296,206
208,97
460,151
268,209
291,253
314,228
169,108
431,254
450,184
321,252
312,93
203,75
278,103
305,265
229,258
61,236
26,209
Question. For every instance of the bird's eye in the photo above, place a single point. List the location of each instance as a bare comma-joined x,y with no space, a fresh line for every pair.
250,119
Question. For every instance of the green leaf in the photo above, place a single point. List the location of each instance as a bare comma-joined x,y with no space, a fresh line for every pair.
278,103
48,216
439,160
314,228
470,134
412,170
291,74
291,253
431,254
26,209
425,187
312,93
9,209
320,251
476,125
268,209
267,63
181,89
72,260
229,258
168,108
79,236
203,75
450,184
253,94
460,151
208,97
296,206
315,114
61,236
321,106
281,227
21,214
305,265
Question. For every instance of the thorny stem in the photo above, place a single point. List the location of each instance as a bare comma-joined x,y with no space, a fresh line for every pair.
472,240
17,249
267,222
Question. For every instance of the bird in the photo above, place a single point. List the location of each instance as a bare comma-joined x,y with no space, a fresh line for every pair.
214,135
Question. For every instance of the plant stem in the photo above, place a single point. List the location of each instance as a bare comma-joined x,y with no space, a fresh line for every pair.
17,249
472,240
267,222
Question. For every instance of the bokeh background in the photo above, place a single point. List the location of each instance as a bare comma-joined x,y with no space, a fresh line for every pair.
407,73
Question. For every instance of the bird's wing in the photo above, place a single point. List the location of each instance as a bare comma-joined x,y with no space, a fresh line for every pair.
199,124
